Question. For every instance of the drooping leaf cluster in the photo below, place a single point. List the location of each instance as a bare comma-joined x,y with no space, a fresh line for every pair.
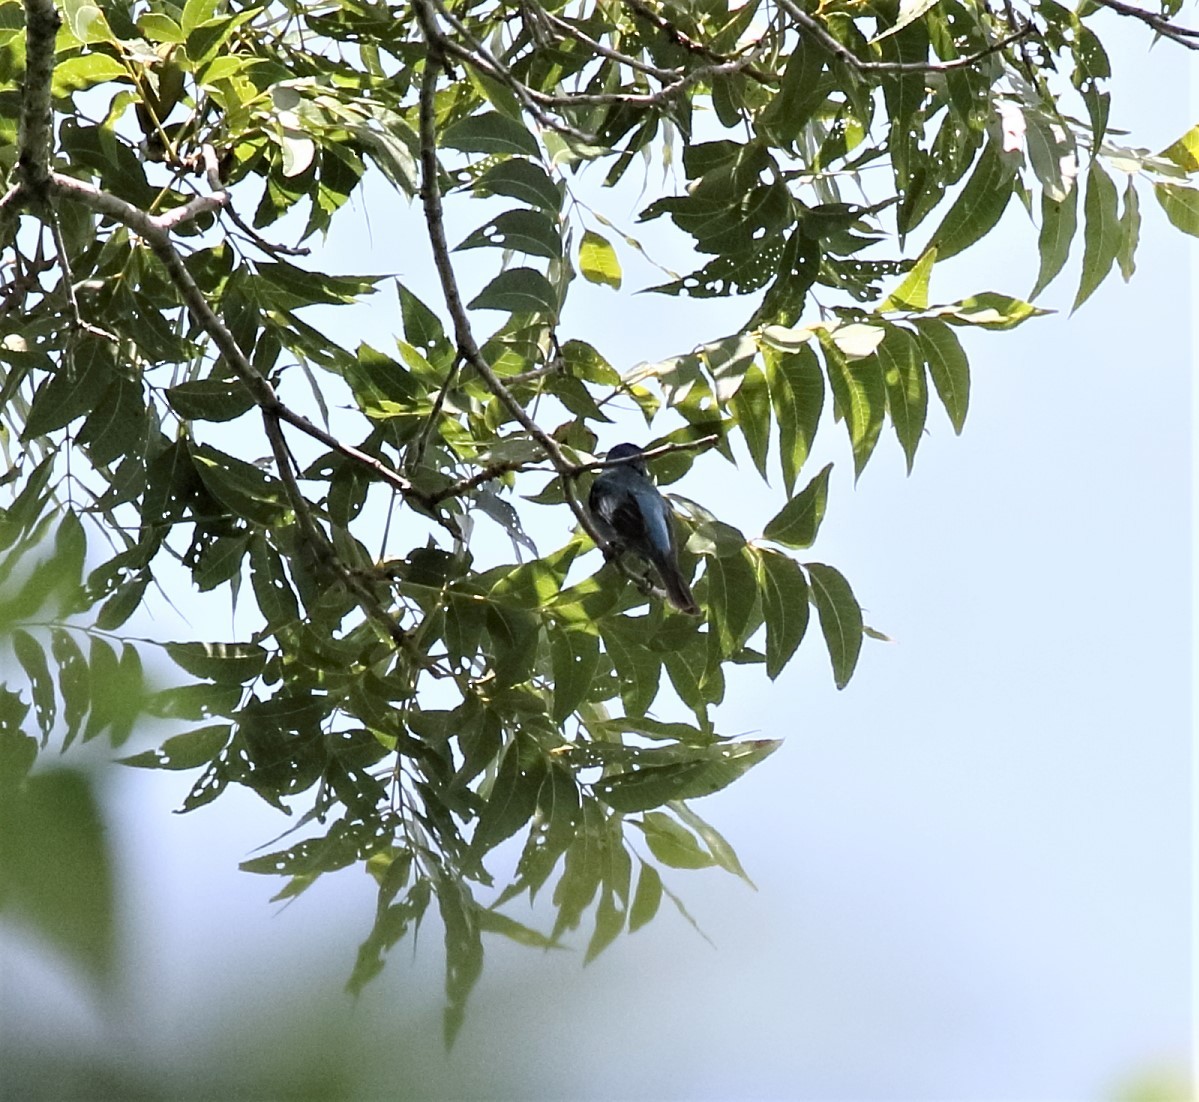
426,701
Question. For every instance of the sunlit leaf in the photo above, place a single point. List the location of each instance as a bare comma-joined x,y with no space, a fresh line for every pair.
598,261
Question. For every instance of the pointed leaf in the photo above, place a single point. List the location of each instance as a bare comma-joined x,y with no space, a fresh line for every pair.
798,522
32,657
840,618
751,408
860,396
1181,205
1101,236
524,231
1130,231
1059,221
647,898
948,367
907,390
979,206
797,395
518,291
785,607
490,132
912,293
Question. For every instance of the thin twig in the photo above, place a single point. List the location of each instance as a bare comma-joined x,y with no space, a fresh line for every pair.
821,33
416,456
434,221
649,453
1184,36
679,38
68,281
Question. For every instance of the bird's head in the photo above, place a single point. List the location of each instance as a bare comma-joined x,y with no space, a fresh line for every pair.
625,451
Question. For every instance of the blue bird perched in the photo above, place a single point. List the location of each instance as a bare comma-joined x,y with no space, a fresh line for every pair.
632,515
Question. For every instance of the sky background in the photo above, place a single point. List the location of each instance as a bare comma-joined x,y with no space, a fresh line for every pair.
973,865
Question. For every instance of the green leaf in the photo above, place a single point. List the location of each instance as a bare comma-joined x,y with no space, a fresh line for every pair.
797,395
493,922
798,522
1181,205
77,73
160,28
724,854
912,293
196,12
672,844
609,921
272,591
657,784
948,367
56,868
785,607
463,951
210,399
74,682
909,12
979,206
598,261
512,797
990,310
840,618
490,132
526,231
907,390
575,656
523,180
647,898
81,380
751,408
518,291
1059,221
224,663
32,657
1054,156
117,427
241,487
1102,234
801,92
638,668
1185,151
1130,231
732,599
187,751
87,21
860,396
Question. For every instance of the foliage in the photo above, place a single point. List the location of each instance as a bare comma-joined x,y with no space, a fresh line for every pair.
425,704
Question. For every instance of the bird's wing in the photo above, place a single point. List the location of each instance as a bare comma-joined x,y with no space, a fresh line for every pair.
655,514
618,509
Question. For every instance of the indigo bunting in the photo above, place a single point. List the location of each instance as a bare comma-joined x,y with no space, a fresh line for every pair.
632,515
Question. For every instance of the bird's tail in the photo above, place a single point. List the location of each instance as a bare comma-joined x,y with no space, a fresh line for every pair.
676,587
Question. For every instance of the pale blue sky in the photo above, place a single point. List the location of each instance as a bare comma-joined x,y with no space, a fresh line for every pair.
973,865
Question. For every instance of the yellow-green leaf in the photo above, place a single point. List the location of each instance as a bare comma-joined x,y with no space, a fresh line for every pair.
598,261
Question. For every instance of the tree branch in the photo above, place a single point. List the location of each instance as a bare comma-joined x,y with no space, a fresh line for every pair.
435,223
1184,36
821,33
33,141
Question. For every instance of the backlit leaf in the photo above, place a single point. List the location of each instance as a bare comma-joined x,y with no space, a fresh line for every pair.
840,618
785,607
798,522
